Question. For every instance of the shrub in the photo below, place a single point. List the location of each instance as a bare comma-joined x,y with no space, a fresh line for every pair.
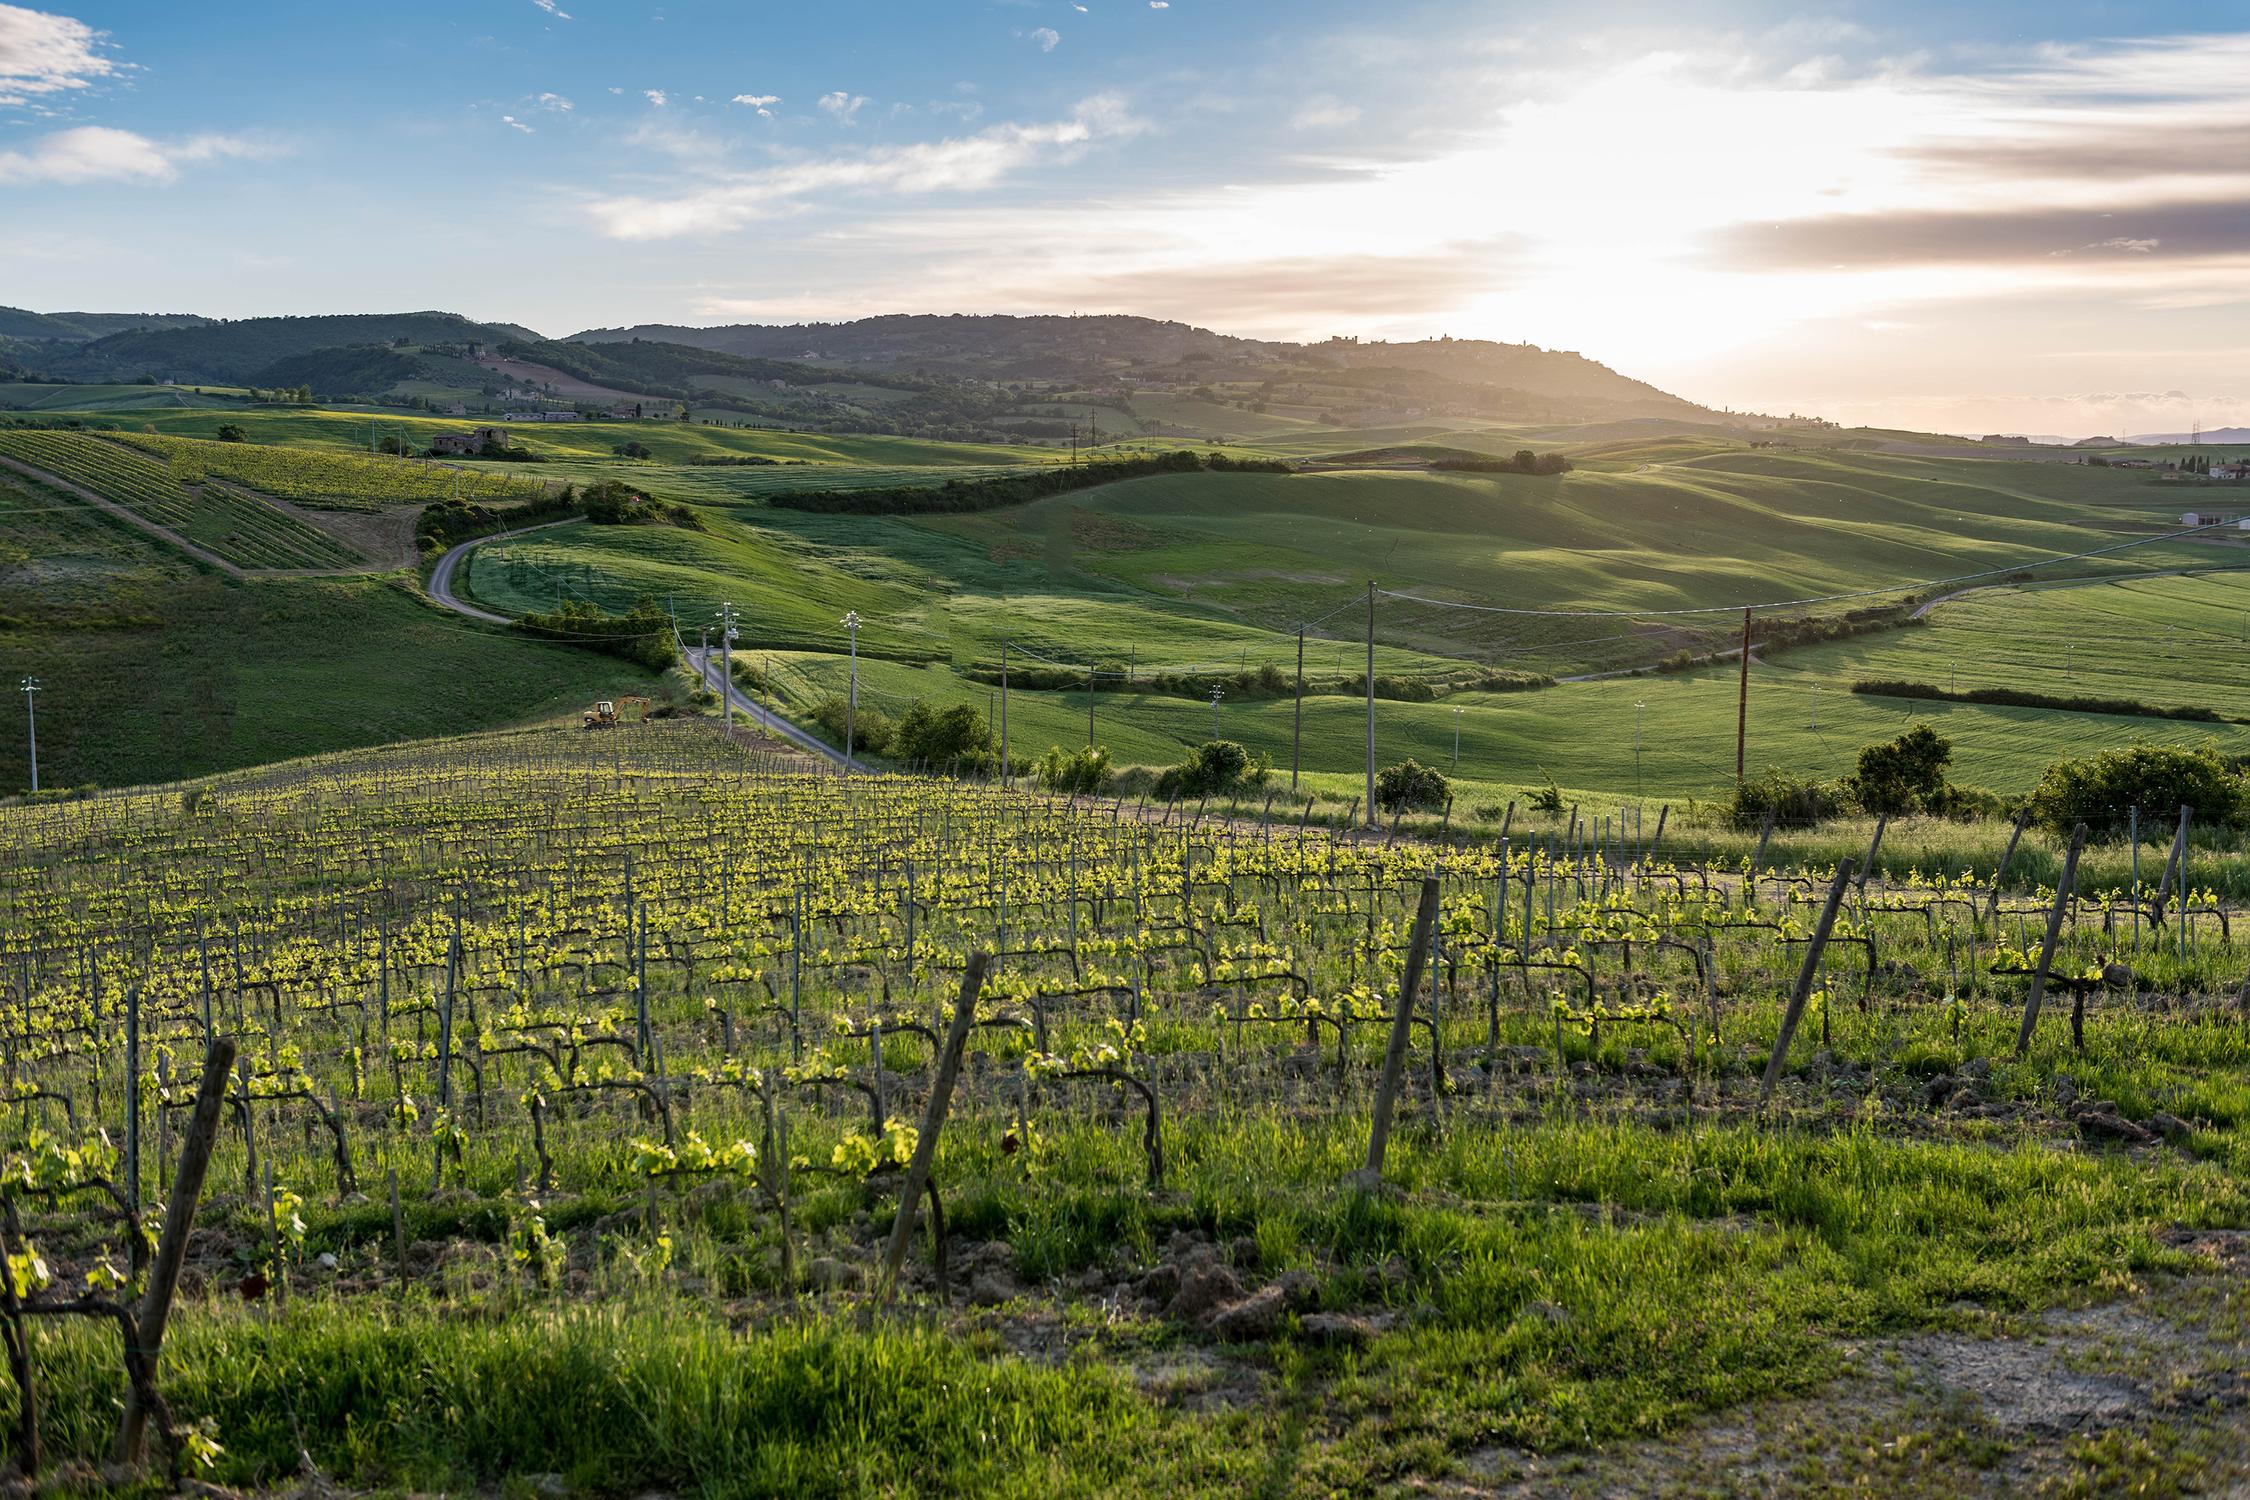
1795,802
1217,766
1410,786
1086,771
642,635
2102,790
933,737
1546,799
869,729
1904,775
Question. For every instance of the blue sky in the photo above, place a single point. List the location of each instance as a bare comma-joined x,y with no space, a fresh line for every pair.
1970,216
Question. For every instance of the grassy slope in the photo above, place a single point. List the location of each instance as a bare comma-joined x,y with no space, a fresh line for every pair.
676,442
152,669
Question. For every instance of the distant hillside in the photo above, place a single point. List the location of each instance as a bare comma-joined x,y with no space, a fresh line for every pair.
2228,435
81,327
239,352
1471,376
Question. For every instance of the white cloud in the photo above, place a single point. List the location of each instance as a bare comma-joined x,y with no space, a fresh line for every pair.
762,103
46,54
656,97
552,9
555,102
1159,4
515,124
962,164
98,153
842,105
1047,37
1323,112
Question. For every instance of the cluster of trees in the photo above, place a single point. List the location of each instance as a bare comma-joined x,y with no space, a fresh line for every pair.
613,502
1909,775
444,523
960,495
925,737
641,635
2020,698
1523,461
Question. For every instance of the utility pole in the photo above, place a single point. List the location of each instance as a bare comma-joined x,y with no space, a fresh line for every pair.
1216,695
31,719
851,702
1637,707
1742,705
1297,733
726,667
1090,670
1371,822
1458,711
1006,771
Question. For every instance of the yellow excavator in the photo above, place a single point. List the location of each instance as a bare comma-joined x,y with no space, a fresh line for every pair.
607,713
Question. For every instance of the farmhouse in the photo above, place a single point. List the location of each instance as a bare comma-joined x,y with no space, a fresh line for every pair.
469,444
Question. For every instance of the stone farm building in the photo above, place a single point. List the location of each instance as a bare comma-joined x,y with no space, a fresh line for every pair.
469,444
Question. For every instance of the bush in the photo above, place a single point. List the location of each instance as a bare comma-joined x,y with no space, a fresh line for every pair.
1218,766
612,502
1411,787
2102,790
1545,799
933,737
233,432
1905,775
1795,802
869,730
642,635
1087,771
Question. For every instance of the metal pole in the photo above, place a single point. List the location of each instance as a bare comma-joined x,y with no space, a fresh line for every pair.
1005,770
851,701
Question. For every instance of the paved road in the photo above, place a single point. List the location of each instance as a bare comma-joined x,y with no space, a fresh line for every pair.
707,665
704,664
441,576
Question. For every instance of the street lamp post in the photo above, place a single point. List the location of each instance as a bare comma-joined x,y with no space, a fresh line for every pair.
1216,695
851,702
1457,711
31,719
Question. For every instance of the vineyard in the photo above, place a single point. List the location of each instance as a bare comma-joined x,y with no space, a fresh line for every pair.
330,481
554,1099
241,528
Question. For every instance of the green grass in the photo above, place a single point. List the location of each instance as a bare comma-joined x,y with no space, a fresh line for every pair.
671,442
182,676
2172,642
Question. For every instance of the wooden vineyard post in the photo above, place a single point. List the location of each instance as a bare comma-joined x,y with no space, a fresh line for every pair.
2174,862
1402,1023
933,1121
1874,847
171,1250
1992,907
2055,915
1805,977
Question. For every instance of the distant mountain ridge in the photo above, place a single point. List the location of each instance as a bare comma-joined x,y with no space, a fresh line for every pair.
1118,347
957,375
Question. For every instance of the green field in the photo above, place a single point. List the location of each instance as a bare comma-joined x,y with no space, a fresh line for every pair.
242,528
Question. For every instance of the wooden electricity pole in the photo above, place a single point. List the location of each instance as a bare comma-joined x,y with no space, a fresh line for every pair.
1297,734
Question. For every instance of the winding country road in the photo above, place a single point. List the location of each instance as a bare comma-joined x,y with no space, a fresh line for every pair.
704,663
